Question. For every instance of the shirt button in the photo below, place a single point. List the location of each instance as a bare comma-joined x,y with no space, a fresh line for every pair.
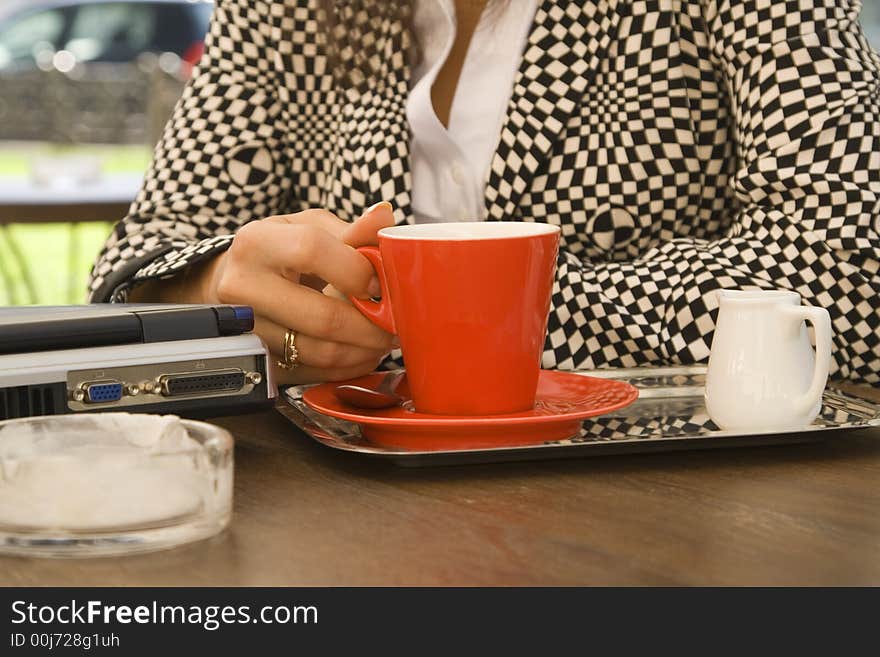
457,173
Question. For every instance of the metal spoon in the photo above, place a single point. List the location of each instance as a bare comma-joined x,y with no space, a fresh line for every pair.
382,396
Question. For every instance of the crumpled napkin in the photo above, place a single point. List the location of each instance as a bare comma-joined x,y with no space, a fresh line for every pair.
100,471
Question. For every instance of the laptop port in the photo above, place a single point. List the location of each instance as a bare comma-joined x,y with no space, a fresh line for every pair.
195,383
102,392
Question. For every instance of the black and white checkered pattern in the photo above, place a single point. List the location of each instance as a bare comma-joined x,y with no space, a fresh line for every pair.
682,147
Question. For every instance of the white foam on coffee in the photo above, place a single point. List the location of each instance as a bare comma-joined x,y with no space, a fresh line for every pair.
469,230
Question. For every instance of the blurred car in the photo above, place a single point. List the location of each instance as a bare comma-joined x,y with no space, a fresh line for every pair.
60,34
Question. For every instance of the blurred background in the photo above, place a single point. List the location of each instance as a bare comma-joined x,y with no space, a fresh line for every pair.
85,89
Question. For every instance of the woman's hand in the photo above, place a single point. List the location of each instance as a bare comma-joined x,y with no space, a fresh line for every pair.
280,266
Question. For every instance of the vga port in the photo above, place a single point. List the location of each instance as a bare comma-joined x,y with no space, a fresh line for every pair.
102,392
194,383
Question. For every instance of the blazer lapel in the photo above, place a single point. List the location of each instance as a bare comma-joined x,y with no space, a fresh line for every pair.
378,145
566,42
382,156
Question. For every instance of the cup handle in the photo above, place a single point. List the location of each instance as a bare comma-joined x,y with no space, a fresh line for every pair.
378,312
821,321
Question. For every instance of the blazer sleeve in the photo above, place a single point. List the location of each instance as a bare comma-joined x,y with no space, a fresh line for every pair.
805,90
219,164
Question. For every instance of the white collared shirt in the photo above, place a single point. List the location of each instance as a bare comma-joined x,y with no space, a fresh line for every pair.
450,167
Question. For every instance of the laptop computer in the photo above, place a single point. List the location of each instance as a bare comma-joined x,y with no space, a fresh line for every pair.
195,361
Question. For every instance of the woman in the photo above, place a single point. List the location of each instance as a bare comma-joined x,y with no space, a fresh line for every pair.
682,146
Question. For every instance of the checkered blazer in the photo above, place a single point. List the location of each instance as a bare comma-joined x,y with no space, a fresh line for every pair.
682,145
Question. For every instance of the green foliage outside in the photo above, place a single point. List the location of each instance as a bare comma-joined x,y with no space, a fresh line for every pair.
58,256
58,271
15,157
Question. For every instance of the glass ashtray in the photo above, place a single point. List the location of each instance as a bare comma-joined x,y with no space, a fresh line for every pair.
108,484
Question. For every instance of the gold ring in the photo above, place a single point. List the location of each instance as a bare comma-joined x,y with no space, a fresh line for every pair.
289,353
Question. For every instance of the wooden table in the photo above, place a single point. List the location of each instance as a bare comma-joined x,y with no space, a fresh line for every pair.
306,515
108,199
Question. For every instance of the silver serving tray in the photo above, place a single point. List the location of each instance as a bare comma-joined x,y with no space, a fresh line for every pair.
670,414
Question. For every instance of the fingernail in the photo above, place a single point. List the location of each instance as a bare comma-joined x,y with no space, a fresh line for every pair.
373,288
378,205
395,342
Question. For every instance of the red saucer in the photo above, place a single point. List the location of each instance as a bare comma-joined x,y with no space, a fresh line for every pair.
563,400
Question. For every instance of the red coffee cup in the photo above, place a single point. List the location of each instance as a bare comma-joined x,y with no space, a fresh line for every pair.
469,302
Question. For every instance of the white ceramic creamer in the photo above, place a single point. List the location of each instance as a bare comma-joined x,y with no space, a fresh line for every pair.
763,374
